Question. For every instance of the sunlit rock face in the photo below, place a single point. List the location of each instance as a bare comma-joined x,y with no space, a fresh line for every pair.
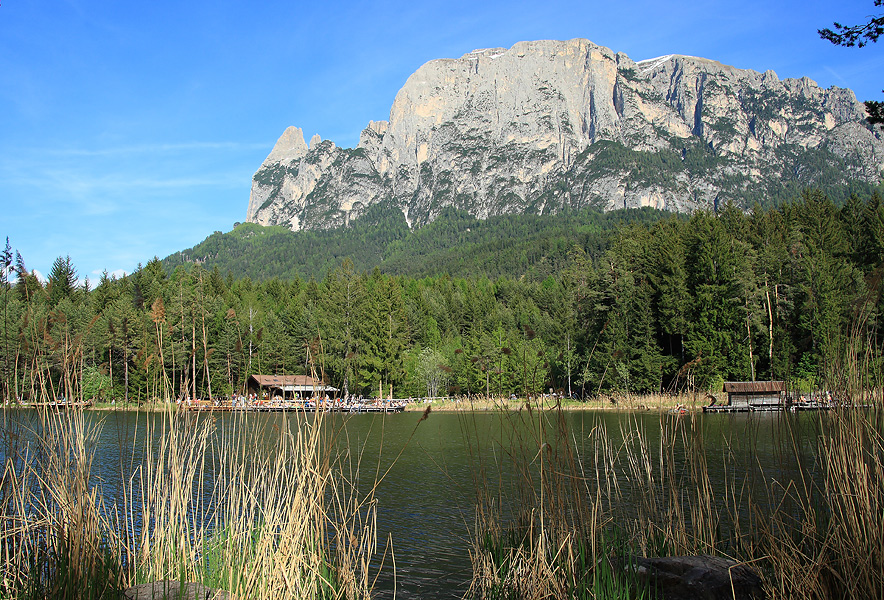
549,125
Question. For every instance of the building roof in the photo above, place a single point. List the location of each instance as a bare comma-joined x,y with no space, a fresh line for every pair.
286,380
743,387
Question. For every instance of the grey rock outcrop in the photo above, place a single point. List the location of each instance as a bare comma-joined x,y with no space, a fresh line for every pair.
548,125
696,578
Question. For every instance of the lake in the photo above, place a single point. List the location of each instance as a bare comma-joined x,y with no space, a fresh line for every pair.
426,500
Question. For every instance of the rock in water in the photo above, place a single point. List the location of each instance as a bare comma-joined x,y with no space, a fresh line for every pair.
549,125
696,578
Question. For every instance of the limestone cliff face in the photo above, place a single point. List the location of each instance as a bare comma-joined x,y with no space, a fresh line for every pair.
547,125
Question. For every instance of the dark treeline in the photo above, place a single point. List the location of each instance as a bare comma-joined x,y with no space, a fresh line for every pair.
655,304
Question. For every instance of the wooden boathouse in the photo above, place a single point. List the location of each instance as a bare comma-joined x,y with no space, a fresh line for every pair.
744,396
287,386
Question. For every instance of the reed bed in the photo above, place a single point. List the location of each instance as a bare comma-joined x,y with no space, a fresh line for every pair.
53,540
830,542
557,518
602,402
542,520
280,517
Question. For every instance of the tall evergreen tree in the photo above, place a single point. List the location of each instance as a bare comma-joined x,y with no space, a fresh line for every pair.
62,281
716,335
342,296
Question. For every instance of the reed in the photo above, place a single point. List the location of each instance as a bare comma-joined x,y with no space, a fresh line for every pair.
280,518
560,519
555,519
604,402
544,525
54,542
826,538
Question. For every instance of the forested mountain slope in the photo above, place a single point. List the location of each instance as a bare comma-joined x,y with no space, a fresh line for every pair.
455,243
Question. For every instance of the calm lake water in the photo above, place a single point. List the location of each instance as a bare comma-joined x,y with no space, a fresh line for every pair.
426,504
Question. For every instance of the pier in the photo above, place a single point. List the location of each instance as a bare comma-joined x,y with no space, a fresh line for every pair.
393,406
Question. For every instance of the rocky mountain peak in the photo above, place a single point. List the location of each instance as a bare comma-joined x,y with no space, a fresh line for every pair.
548,125
289,146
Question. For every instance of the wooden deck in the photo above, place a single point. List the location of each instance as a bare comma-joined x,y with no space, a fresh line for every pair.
59,405
743,408
293,407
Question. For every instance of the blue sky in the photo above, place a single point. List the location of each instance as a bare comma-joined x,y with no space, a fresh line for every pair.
131,129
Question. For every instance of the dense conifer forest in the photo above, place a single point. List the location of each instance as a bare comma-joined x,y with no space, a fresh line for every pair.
587,303
456,243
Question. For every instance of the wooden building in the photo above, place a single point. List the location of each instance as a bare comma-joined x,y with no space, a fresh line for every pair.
288,386
756,394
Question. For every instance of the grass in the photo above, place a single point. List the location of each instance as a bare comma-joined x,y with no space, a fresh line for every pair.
831,543
555,518
53,542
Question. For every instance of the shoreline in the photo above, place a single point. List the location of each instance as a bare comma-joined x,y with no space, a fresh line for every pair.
634,404
684,403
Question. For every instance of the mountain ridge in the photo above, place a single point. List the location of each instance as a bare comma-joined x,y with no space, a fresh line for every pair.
548,125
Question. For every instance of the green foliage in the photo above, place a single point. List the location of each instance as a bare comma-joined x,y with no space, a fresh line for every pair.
455,243
582,302
96,385
62,280
860,35
856,35
266,252
875,110
59,573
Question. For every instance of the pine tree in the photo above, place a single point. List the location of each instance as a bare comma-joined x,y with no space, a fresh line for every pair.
340,301
62,281
716,336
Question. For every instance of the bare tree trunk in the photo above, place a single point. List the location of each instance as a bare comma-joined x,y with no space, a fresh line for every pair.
749,337
126,371
182,384
769,325
206,354
15,380
229,372
251,333
110,367
193,356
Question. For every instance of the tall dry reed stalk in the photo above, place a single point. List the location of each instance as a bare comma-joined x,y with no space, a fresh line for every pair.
554,515
262,508
544,526
674,508
829,540
825,539
54,542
